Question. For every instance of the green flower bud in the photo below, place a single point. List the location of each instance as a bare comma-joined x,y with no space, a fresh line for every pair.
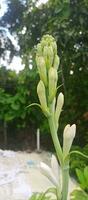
43,43
56,62
45,53
39,49
60,102
42,98
54,45
53,105
48,39
48,56
48,49
52,83
68,136
42,69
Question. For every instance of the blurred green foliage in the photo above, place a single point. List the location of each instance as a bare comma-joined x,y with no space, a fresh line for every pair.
49,194
78,161
79,194
67,21
83,178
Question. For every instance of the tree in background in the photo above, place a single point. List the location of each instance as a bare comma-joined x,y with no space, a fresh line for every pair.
67,22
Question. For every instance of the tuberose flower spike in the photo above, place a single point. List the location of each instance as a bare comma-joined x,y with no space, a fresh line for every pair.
49,48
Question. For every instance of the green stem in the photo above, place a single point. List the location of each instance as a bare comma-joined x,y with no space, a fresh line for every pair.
65,180
55,139
63,163
58,194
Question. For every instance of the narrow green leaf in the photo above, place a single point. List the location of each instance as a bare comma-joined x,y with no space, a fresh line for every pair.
81,178
34,104
86,175
79,195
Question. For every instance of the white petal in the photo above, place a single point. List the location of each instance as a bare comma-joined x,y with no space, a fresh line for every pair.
55,167
68,136
47,171
66,129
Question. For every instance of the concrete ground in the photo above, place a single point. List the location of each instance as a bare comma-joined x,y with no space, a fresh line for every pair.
20,175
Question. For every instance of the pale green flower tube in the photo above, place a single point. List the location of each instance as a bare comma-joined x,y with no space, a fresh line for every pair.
68,137
52,83
48,56
39,49
42,69
54,45
59,105
56,62
42,98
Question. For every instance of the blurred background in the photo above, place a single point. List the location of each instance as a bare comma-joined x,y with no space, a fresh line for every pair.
22,24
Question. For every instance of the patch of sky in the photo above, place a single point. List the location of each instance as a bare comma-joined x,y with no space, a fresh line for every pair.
17,61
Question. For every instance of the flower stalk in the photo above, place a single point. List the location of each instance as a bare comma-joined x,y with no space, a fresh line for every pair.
47,63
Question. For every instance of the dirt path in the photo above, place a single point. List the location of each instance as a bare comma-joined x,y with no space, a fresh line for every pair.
20,174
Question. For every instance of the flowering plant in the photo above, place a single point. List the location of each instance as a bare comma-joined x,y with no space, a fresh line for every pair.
47,62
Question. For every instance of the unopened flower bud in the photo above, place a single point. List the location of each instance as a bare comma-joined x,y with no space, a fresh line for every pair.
43,43
52,83
48,39
48,56
56,62
47,171
68,136
53,105
39,49
42,69
54,45
59,105
42,98
52,173
45,52
55,167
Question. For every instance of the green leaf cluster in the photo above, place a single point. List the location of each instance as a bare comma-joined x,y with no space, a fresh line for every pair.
83,178
77,161
79,194
49,194
67,21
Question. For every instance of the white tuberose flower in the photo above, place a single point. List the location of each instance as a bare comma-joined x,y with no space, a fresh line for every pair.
52,173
